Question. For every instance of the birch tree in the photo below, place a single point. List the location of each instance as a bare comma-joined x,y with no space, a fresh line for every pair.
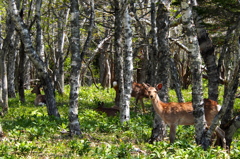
35,59
39,35
128,67
123,63
76,60
195,64
3,62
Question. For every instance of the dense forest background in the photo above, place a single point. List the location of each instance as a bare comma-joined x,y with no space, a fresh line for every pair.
80,43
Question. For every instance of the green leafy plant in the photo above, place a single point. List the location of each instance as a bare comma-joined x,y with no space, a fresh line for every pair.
80,147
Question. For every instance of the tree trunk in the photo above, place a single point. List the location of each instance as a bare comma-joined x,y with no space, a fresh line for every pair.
176,80
119,53
21,72
36,60
39,35
59,71
1,44
154,48
104,64
3,61
228,124
162,64
128,68
74,124
195,58
207,52
11,65
230,130
159,128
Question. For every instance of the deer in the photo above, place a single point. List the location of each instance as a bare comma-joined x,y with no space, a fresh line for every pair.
108,111
174,114
138,92
40,99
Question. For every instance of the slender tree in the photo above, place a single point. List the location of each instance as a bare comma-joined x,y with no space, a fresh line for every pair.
196,62
76,63
119,51
36,60
128,67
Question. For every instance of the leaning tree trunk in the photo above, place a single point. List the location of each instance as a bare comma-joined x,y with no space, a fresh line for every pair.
36,60
227,124
195,59
207,52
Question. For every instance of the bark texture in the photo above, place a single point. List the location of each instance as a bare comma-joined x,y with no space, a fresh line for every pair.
74,124
207,52
161,63
195,63
128,68
119,52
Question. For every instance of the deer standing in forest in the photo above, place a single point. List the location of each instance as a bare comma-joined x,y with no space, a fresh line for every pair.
138,91
40,99
174,114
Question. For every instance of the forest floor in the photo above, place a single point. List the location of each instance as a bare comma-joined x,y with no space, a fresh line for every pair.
31,133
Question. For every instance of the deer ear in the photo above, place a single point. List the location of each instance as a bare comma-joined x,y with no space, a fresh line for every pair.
159,86
145,85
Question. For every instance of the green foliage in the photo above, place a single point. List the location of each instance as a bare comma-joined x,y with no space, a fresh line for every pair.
31,133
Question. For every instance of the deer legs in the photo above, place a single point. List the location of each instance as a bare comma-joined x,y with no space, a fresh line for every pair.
172,135
141,101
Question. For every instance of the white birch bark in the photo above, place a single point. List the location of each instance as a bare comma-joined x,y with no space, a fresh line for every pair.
128,68
39,35
74,124
196,61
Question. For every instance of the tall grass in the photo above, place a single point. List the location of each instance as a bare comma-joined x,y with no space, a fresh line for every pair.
31,133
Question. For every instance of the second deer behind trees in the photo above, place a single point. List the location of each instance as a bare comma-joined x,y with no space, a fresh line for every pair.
138,91
40,99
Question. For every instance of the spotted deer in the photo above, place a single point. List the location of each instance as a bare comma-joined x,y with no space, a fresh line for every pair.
40,99
174,114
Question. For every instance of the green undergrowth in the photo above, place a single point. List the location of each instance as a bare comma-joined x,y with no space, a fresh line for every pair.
31,133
